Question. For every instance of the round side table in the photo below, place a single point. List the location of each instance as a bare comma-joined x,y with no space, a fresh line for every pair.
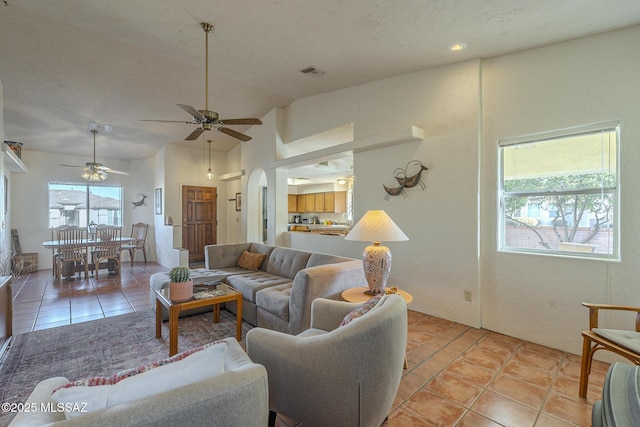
358,295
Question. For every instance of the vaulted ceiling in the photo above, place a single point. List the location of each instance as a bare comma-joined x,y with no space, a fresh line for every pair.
66,63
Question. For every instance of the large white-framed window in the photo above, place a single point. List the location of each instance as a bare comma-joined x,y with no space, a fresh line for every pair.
559,192
81,204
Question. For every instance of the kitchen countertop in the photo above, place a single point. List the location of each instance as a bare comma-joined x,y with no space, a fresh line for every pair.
329,230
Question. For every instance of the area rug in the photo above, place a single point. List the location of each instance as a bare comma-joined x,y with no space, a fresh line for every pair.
100,347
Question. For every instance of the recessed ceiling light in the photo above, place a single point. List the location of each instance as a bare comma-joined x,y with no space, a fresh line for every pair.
455,47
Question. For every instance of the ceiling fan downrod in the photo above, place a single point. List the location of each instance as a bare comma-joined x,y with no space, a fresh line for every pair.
207,29
94,131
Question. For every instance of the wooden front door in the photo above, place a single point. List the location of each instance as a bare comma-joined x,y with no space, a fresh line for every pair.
199,220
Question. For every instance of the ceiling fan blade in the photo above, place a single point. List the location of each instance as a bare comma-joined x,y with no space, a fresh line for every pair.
72,166
168,121
241,122
197,115
194,135
109,170
235,134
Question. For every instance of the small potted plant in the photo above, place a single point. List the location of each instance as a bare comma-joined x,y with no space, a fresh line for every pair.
180,286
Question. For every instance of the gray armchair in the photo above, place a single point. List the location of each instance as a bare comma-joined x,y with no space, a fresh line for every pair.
330,375
620,404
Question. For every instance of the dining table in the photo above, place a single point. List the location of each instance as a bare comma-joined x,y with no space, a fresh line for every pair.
55,244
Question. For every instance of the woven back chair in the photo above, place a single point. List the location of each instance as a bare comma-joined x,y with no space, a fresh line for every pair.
54,251
107,247
72,251
139,235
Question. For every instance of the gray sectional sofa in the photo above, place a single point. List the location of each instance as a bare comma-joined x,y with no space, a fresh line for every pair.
278,295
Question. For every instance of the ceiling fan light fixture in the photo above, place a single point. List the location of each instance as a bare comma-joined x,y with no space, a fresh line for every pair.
94,176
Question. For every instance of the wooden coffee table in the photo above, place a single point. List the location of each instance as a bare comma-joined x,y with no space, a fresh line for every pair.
163,298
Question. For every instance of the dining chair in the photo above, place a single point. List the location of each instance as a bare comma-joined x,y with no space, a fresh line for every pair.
107,247
54,251
625,342
139,235
72,250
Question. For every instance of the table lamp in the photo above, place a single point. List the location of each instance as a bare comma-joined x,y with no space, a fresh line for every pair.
376,226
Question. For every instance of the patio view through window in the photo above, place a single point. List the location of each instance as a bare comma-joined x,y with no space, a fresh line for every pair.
80,204
559,192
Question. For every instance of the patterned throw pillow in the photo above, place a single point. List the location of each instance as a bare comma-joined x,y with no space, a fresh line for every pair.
363,309
133,384
251,261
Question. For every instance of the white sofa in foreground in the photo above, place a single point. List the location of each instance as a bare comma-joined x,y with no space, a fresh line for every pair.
236,397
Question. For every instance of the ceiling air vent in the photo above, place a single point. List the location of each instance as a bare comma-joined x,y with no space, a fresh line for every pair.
312,71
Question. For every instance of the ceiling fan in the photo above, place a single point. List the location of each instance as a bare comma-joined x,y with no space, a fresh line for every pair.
206,118
93,171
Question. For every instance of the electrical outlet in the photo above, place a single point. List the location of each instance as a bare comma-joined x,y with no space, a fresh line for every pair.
467,296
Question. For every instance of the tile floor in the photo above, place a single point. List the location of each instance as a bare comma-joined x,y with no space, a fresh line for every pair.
457,375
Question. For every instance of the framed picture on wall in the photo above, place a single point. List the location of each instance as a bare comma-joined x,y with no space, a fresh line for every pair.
158,201
238,201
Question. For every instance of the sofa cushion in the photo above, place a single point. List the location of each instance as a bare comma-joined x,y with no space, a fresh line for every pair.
625,338
251,261
323,259
138,383
275,300
259,248
287,262
224,256
363,309
252,282
215,274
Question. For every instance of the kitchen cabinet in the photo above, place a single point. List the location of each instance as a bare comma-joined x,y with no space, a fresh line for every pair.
325,202
340,202
306,203
293,203
319,202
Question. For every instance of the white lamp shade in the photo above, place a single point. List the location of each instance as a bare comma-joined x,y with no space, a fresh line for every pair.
376,226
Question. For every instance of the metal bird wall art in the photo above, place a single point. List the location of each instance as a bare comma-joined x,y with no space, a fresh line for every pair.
413,180
139,202
415,168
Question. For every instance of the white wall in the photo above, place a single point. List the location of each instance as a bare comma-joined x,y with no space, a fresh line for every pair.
5,242
234,218
440,221
591,80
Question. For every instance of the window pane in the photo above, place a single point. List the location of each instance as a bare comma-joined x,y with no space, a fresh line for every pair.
560,194
571,162
105,205
79,204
